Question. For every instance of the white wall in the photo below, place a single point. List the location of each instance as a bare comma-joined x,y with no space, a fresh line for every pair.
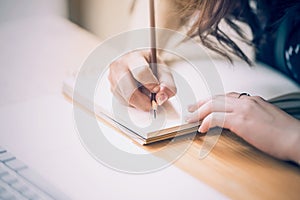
16,9
106,17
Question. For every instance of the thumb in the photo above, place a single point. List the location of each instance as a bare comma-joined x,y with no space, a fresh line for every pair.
167,85
141,71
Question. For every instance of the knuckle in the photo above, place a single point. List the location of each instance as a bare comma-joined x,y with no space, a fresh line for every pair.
110,77
258,98
133,96
216,97
115,64
209,104
174,89
141,72
112,90
114,69
249,104
170,90
231,94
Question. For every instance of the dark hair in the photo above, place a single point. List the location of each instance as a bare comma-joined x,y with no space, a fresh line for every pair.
207,15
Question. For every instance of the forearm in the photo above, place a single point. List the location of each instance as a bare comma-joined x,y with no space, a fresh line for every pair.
294,152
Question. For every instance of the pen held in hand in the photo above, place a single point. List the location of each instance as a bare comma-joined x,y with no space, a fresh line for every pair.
153,62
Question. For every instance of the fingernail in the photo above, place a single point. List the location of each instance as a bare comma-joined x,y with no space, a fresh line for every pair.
162,99
156,89
200,129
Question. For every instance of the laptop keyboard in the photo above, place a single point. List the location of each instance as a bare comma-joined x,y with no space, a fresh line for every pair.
18,181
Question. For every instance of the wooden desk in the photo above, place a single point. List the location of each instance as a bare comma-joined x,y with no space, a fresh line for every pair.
233,167
238,170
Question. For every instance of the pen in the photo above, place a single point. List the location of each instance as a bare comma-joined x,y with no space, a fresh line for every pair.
153,61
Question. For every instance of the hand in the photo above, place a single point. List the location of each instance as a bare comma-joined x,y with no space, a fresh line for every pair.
132,80
258,122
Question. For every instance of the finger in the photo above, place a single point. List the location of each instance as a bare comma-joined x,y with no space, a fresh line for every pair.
233,94
167,85
163,95
120,99
140,101
165,77
221,104
145,91
127,89
141,71
118,75
217,119
192,108
134,101
126,86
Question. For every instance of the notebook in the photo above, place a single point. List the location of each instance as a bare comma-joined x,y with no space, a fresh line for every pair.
139,125
289,102
191,86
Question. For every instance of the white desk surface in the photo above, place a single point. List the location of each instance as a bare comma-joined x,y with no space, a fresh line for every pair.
37,122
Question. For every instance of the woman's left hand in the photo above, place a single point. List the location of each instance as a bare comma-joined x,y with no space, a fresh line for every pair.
258,122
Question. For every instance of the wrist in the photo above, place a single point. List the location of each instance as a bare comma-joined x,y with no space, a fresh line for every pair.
294,152
297,151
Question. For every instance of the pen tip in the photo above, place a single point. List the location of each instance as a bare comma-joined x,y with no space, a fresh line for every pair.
154,105
154,108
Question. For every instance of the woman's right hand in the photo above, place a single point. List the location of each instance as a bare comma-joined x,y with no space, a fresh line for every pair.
132,80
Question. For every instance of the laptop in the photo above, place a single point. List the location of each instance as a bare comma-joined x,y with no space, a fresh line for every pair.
18,181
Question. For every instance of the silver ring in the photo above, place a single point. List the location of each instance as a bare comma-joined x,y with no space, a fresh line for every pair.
244,94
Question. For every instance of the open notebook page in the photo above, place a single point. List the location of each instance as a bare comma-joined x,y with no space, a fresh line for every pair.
170,119
192,84
170,116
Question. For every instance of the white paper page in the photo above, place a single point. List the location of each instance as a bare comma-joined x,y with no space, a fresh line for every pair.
171,114
200,81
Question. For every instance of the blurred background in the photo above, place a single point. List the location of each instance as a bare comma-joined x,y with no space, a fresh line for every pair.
49,40
44,41
107,17
103,18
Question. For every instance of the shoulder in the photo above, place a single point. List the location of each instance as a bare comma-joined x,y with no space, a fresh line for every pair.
280,40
